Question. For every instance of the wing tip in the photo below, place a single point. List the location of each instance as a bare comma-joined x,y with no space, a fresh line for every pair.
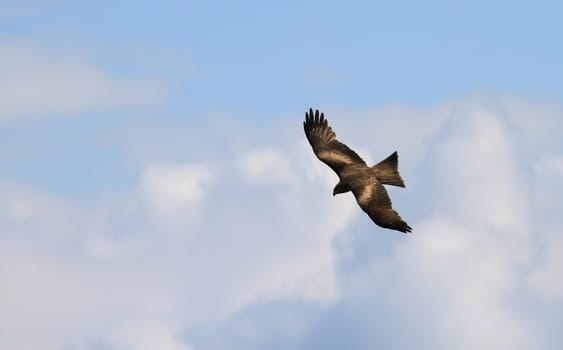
312,113
406,229
315,118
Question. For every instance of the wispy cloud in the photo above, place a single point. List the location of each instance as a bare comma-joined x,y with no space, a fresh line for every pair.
38,83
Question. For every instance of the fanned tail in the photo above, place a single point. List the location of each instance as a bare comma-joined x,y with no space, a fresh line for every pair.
387,171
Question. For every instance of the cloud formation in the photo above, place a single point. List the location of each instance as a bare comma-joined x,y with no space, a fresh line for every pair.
38,83
235,241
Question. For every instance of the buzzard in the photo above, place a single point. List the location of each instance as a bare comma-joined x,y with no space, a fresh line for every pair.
366,183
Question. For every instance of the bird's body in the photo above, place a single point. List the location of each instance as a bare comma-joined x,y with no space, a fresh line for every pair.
366,183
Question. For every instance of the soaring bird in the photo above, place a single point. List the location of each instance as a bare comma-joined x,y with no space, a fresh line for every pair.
366,183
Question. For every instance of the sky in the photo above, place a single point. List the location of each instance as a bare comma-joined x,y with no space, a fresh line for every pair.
157,190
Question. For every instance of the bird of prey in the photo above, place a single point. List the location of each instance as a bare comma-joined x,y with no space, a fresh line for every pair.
366,183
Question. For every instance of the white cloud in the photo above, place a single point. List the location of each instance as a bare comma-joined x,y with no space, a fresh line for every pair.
104,267
197,243
477,163
461,279
25,211
267,166
148,336
548,199
171,188
548,182
547,278
37,82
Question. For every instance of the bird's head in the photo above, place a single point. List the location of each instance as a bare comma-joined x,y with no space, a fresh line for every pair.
340,188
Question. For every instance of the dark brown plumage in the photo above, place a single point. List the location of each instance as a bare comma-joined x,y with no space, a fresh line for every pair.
366,183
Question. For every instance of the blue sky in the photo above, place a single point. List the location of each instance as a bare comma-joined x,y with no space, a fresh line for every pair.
157,191
246,56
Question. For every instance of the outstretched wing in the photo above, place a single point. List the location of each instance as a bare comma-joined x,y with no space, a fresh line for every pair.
375,201
325,145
